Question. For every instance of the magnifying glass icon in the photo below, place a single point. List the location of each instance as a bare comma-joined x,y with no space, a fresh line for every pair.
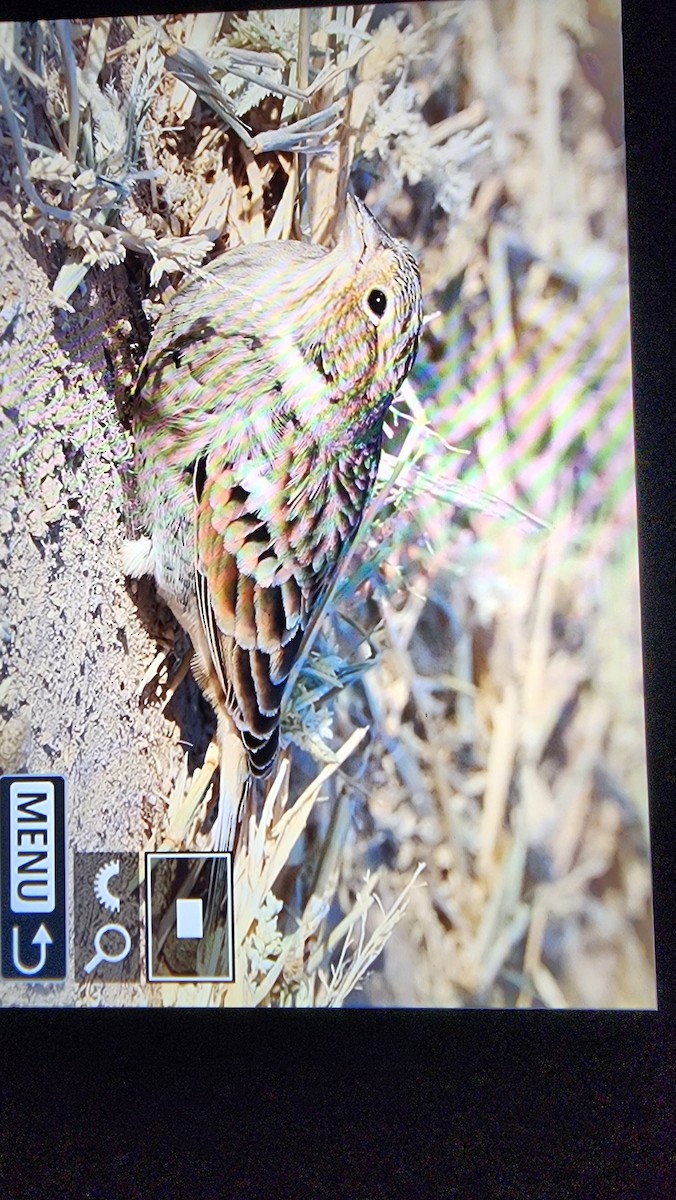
104,955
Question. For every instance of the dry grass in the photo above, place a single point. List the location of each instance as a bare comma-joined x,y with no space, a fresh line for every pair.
460,813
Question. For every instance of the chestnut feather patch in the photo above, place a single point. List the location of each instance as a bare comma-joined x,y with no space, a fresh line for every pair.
282,661
270,619
292,600
268,694
245,625
249,716
223,579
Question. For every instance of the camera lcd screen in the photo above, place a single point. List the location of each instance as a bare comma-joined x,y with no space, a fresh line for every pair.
320,654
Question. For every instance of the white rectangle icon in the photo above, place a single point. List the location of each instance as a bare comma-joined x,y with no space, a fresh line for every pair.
189,918
32,824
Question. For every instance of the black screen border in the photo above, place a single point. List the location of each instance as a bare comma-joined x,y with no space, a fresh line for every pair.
197,1103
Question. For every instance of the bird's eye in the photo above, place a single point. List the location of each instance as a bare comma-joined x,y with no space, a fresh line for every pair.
377,301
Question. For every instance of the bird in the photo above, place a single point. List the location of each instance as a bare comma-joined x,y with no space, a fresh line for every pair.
258,425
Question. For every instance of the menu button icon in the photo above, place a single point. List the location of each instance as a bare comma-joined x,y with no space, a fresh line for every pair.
33,877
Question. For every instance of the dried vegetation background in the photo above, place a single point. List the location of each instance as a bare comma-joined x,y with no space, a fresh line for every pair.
460,815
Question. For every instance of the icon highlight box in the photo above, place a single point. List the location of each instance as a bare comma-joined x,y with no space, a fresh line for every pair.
187,939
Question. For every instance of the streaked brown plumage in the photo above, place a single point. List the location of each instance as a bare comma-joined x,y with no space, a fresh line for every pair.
259,422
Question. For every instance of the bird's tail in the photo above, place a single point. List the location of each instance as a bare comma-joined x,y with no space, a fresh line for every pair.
216,953
232,786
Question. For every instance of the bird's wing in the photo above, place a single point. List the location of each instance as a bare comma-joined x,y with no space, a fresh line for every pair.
265,548
255,593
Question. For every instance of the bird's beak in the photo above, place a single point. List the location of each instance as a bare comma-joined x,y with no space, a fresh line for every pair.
359,234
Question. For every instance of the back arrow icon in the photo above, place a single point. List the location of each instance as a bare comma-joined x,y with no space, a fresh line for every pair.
42,938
